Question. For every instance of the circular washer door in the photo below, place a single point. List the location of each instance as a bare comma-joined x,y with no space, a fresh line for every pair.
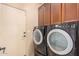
37,36
59,41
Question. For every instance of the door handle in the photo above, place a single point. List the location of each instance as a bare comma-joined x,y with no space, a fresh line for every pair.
24,34
3,49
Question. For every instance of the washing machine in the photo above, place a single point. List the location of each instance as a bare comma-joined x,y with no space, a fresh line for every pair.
39,41
62,39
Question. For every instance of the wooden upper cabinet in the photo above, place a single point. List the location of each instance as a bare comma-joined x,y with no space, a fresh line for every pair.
56,13
41,16
78,11
46,14
69,12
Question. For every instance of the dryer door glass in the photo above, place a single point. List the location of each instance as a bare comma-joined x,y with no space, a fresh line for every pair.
59,41
38,37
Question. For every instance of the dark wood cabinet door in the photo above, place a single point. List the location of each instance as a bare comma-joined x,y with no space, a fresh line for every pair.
46,14
41,16
69,12
56,13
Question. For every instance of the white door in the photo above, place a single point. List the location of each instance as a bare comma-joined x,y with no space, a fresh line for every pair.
59,41
12,27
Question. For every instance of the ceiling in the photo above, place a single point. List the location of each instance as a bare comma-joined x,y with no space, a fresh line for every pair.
24,5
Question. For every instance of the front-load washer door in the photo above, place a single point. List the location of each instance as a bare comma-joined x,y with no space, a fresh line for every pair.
59,41
37,37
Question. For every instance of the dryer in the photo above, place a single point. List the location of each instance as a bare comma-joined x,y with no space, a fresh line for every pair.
62,39
39,41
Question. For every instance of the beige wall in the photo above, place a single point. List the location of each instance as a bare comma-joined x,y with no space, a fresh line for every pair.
32,20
